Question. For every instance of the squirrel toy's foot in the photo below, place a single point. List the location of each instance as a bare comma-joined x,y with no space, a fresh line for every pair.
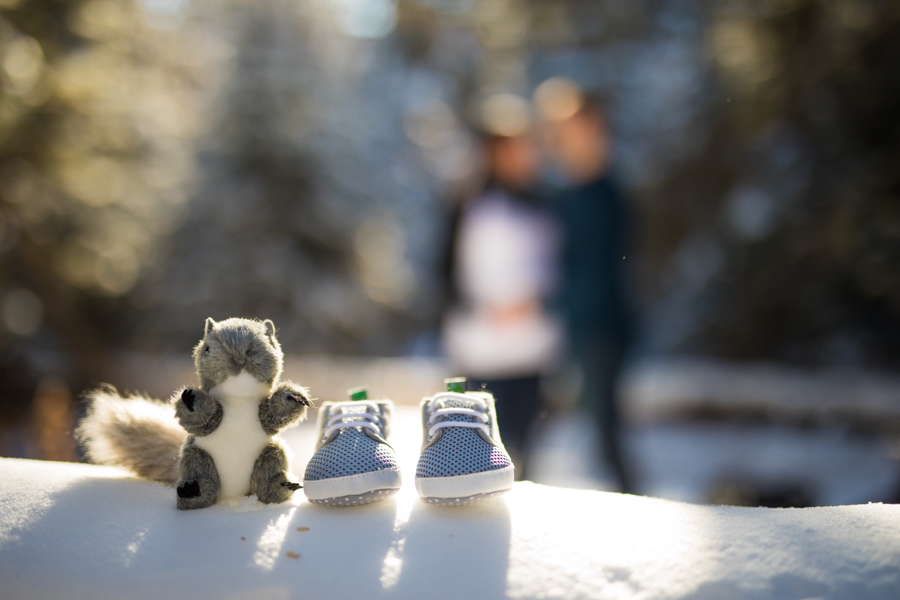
269,480
199,484
189,489
196,494
276,490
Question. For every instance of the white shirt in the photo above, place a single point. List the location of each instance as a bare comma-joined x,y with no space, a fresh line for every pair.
507,256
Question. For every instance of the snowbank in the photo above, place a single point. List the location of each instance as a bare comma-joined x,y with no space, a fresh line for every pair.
82,531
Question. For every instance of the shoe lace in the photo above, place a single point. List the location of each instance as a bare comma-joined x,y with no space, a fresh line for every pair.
342,417
440,410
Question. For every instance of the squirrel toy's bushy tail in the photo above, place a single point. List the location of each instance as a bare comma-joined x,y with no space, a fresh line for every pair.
133,432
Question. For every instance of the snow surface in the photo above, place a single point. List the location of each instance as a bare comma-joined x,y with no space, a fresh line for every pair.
685,460
82,531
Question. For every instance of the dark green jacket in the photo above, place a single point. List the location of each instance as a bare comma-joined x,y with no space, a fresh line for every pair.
594,296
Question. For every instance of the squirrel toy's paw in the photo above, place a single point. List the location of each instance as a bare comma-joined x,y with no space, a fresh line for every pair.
188,397
287,405
197,411
299,399
291,485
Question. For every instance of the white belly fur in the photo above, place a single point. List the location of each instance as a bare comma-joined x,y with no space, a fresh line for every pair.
239,439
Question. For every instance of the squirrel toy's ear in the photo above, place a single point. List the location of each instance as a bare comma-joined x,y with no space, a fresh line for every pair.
210,325
270,327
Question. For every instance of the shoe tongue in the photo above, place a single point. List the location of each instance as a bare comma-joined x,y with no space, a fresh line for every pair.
353,409
458,403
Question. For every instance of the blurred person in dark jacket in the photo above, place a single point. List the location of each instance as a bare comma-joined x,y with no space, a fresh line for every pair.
503,267
594,298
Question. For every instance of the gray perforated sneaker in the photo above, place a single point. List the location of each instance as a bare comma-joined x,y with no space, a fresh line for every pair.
463,459
353,463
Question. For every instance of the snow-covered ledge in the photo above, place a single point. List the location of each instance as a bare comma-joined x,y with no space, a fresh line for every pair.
81,531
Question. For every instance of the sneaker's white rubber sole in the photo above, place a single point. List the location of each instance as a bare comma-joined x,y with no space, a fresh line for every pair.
363,486
357,499
463,489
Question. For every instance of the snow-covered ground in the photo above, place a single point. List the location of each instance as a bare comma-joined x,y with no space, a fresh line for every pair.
689,461
87,532
80,531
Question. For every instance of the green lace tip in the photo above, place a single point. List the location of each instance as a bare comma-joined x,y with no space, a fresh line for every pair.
456,384
359,393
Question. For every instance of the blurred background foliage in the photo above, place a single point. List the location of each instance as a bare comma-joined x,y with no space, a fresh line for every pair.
162,161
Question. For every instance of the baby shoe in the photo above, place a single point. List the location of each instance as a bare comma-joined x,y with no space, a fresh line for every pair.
353,463
463,459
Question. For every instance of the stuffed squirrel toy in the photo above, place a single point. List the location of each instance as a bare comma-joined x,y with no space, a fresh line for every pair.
215,442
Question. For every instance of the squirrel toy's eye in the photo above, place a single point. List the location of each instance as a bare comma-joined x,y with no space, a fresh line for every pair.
206,349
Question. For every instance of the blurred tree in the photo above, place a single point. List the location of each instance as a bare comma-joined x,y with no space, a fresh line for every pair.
161,162
761,141
96,120
294,218
809,226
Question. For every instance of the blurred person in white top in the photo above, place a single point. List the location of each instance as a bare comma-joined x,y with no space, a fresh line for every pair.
504,257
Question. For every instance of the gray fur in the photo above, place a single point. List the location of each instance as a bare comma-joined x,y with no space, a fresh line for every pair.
286,404
133,432
196,465
152,438
205,416
269,479
233,345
